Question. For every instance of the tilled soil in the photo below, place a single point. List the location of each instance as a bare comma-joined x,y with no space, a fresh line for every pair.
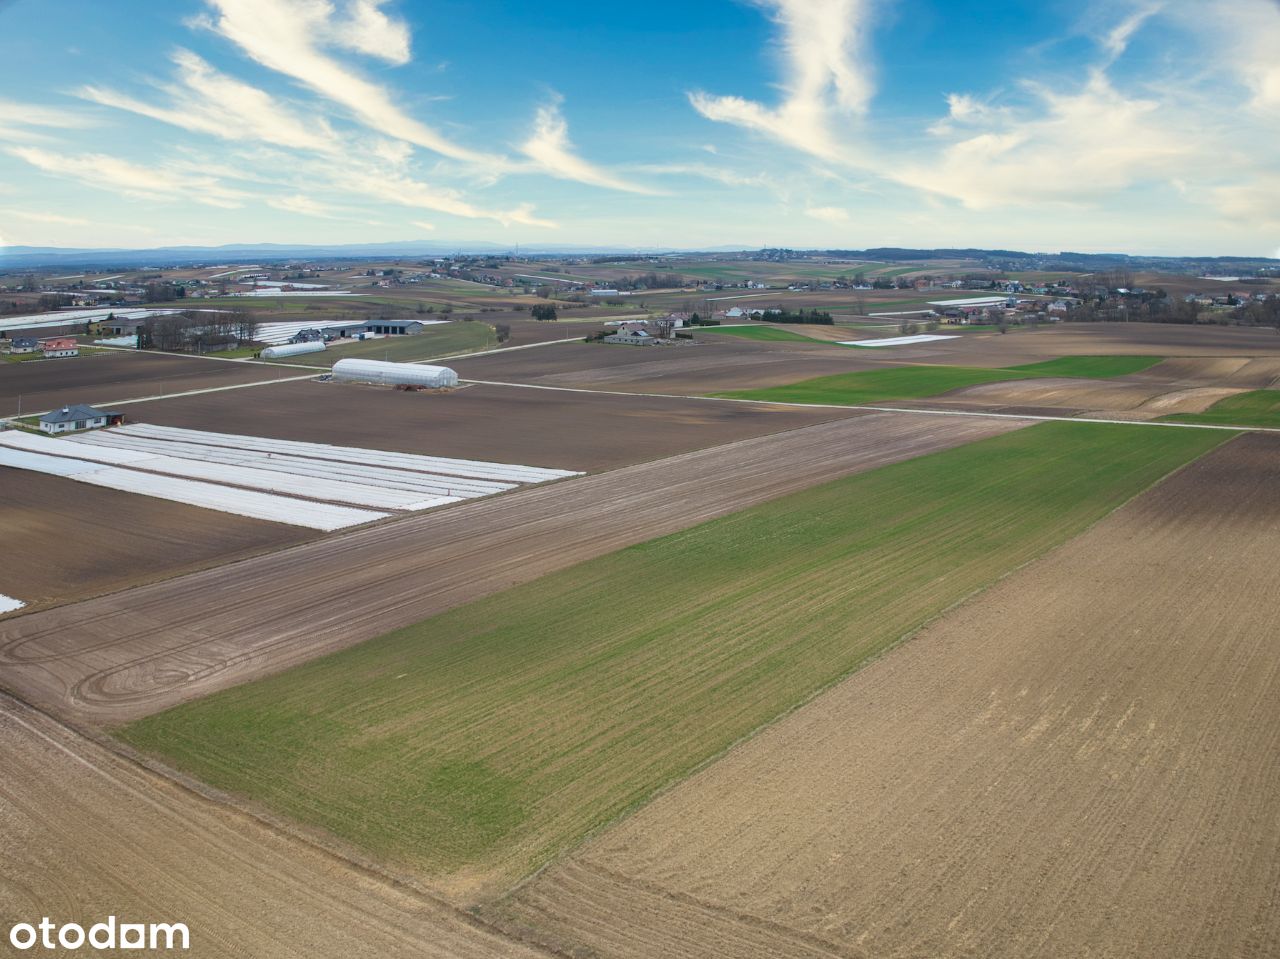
103,378
1083,760
554,429
64,541
133,653
88,834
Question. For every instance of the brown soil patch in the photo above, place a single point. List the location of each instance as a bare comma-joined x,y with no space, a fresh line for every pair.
123,656
88,834
1082,761
105,378
718,364
67,541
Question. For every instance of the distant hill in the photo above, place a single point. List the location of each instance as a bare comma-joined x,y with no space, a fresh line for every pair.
16,258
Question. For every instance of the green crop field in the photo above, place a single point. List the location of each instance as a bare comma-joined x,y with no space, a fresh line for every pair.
765,333
1255,408
443,340
915,382
481,743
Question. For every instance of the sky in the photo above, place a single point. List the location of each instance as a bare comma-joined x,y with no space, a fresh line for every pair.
1139,126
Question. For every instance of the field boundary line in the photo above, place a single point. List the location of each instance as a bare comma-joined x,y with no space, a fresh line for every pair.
501,349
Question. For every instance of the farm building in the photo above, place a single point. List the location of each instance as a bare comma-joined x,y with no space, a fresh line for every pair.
78,417
55,346
632,338
394,374
23,344
382,327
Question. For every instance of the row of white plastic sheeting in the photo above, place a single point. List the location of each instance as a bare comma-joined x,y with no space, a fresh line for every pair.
226,499
502,472
899,340
270,481
8,604
427,484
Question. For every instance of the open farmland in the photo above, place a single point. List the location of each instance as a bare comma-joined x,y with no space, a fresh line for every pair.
65,541
716,363
480,743
1254,408
133,653
88,834
1082,761
913,382
104,378
536,427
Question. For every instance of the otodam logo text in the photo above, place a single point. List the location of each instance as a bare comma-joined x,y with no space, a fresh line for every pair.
108,934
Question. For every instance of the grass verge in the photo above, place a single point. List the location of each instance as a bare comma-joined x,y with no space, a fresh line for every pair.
481,743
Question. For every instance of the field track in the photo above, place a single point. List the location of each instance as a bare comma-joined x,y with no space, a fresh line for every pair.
1084,760
120,657
89,834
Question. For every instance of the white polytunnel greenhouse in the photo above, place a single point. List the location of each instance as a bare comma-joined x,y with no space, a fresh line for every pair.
292,349
394,374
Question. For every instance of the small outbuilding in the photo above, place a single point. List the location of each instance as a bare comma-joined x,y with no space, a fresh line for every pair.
78,417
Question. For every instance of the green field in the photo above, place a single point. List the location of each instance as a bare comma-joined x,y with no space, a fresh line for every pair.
481,743
916,382
434,341
1255,408
765,333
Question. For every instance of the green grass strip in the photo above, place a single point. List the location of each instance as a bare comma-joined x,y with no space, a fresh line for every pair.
1255,408
916,382
766,333
497,735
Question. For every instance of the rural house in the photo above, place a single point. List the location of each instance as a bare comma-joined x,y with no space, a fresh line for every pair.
23,344
78,417
54,346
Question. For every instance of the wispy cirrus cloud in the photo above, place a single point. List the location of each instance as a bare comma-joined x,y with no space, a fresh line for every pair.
827,77
291,37
31,123
205,100
551,152
122,176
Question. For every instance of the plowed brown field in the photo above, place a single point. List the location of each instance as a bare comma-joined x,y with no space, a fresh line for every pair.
64,540
88,835
104,378
1082,761
132,653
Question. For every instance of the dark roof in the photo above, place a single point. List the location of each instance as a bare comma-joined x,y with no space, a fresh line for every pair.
24,341
69,414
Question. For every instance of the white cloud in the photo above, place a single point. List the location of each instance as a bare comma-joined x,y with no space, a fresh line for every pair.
299,203
40,217
121,176
288,36
551,152
828,214
828,77
27,122
422,225
1068,147
207,101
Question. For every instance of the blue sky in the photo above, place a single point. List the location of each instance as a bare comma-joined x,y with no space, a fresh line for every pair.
1127,125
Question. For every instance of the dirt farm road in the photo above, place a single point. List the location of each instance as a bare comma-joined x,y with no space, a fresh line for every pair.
122,656
88,834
